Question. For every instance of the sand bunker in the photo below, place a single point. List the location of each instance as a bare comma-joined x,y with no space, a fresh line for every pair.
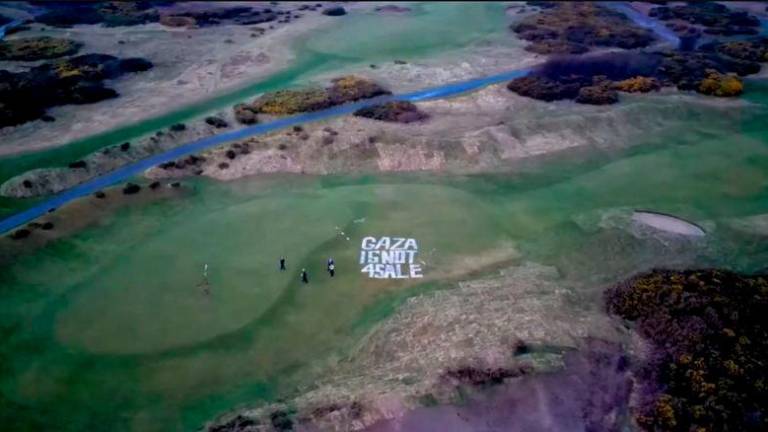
668,223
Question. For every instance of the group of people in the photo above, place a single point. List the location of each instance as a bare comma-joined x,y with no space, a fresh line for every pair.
330,268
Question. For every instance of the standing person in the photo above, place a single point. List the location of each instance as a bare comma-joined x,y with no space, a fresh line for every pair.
282,263
331,269
304,276
205,284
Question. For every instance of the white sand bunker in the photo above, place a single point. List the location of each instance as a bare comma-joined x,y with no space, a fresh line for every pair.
668,223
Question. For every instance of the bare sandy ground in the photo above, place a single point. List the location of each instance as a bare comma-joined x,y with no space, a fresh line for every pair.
488,130
489,57
190,65
403,361
458,65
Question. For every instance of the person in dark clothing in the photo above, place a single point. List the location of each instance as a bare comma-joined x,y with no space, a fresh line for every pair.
331,269
304,276
205,285
282,263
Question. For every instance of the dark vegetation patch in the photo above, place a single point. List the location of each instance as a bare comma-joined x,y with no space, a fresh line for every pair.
751,50
238,423
599,93
281,420
637,84
131,188
335,11
716,18
394,111
122,13
241,147
479,377
339,412
714,70
575,27
708,331
291,101
614,66
342,90
177,21
21,234
216,122
78,164
240,15
590,79
108,14
24,96
191,162
545,89
37,48
245,114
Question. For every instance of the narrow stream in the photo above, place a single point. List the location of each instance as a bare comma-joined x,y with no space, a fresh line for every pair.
136,168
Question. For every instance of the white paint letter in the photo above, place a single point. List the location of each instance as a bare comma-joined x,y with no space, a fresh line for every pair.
389,272
383,243
368,243
399,272
386,257
373,256
368,269
411,256
416,271
398,241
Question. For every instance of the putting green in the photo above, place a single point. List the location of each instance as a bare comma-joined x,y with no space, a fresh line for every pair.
148,298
